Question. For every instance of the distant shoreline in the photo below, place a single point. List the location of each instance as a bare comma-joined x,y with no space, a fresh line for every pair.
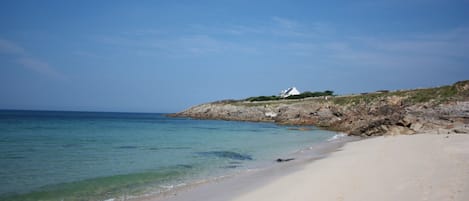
432,110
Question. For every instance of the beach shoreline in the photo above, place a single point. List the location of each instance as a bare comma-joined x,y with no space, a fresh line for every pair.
403,167
120,156
245,180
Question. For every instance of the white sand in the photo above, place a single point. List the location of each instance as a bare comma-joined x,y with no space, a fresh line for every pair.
415,167
397,168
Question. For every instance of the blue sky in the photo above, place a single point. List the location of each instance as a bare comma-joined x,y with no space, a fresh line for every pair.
156,56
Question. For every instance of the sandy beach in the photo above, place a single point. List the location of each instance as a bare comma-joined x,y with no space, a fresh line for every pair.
405,167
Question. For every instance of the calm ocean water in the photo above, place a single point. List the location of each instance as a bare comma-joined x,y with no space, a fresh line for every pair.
98,156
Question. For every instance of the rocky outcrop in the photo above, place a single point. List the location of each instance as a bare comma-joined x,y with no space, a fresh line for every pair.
440,110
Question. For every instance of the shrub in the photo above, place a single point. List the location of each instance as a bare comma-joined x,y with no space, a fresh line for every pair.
263,98
308,94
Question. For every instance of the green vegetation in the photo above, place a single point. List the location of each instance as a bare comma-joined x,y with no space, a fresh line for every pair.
263,98
311,94
352,100
439,95
300,96
457,91
434,95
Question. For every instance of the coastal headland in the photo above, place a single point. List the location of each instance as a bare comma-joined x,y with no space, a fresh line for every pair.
420,152
441,110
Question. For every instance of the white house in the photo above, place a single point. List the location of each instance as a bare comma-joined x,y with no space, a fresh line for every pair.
289,92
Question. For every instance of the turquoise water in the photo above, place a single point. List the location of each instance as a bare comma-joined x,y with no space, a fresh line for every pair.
98,156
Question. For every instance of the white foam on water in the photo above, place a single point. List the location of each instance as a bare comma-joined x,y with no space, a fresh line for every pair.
337,136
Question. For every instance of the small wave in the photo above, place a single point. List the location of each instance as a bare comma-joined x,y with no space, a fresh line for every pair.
169,187
180,185
337,136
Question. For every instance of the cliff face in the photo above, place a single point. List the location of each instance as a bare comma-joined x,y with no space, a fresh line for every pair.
441,110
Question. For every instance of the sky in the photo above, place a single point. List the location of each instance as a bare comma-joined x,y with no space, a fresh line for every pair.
165,56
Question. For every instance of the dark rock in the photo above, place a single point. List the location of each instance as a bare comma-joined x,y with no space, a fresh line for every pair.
460,131
280,160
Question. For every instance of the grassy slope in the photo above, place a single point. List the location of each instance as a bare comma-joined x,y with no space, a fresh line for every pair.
435,95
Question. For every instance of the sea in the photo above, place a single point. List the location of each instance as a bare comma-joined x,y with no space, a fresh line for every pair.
55,155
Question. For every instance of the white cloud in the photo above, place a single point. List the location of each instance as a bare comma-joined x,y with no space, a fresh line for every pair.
144,32
199,39
447,48
21,57
40,67
177,46
10,47
315,41
202,44
290,28
242,30
285,23
441,44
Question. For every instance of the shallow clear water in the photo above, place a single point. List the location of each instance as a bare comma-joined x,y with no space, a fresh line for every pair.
96,156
